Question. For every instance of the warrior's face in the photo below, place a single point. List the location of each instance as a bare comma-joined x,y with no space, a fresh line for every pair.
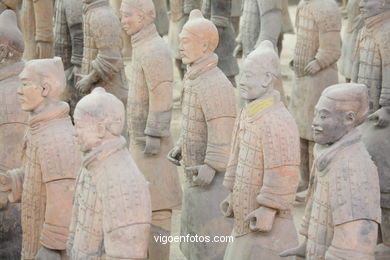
192,48
330,123
254,81
132,19
87,130
31,92
370,8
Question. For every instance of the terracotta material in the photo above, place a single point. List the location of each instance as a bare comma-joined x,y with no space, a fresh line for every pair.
351,31
209,111
219,12
45,182
149,114
372,68
317,50
344,196
12,126
260,20
102,63
162,19
261,179
287,26
236,14
111,210
68,44
180,9
37,28
9,4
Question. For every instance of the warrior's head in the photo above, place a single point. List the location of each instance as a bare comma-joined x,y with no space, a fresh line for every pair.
260,70
98,117
11,39
341,108
370,8
198,39
136,14
43,82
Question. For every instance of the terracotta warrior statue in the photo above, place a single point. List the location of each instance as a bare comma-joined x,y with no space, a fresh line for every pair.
9,4
343,207
219,12
261,20
262,173
102,63
317,50
180,10
349,38
162,19
111,210
209,111
45,182
149,116
68,43
372,68
37,28
13,122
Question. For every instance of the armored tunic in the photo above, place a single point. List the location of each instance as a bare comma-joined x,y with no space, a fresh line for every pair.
318,24
219,12
68,32
344,188
149,113
45,183
102,48
372,60
209,111
37,26
263,172
255,28
111,210
13,122
354,23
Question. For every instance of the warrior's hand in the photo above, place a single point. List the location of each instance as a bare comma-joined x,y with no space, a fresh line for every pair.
237,53
202,175
381,116
152,144
174,155
46,253
227,206
44,50
5,182
296,251
312,68
84,85
261,219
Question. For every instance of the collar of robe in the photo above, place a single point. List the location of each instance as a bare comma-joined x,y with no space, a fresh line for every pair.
144,35
201,66
57,110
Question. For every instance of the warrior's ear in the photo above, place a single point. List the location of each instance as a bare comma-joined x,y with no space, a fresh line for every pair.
350,118
101,129
45,89
267,80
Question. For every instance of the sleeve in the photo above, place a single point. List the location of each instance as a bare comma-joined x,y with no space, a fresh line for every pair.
43,13
159,82
281,157
329,25
17,177
221,12
384,49
356,58
62,44
304,228
271,20
74,20
231,168
126,215
219,108
106,30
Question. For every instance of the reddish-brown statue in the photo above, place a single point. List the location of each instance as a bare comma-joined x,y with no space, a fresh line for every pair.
343,207
45,182
262,174
13,122
372,68
37,28
102,63
317,50
111,210
149,116
209,111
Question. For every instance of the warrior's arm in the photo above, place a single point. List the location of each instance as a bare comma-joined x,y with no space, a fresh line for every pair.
221,12
270,20
74,21
384,100
231,168
43,13
17,177
353,240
